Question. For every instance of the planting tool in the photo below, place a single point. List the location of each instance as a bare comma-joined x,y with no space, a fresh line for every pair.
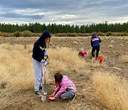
44,85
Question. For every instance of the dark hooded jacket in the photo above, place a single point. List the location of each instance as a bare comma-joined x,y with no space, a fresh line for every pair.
39,47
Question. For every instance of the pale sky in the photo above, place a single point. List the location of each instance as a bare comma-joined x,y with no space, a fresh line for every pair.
77,12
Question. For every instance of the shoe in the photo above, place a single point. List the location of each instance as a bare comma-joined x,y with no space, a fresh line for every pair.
38,93
40,87
74,97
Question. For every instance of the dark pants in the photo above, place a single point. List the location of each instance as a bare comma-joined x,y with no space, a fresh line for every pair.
67,95
97,49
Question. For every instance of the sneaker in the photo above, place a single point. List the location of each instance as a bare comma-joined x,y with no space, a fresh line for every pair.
38,93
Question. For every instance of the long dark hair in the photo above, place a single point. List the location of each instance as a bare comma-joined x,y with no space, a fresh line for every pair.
58,77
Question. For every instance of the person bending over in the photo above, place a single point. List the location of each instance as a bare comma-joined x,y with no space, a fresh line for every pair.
65,88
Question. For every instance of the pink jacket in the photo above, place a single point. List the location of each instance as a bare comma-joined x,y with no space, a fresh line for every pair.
66,84
83,52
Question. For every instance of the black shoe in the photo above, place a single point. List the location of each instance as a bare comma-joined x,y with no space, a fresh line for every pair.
74,97
40,87
38,93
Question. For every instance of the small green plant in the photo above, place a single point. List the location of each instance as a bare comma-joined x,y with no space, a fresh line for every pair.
1,34
108,33
17,34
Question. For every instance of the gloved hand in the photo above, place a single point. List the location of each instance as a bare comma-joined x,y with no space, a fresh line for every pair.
44,62
45,53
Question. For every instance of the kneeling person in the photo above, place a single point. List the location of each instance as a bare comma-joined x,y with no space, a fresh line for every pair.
65,88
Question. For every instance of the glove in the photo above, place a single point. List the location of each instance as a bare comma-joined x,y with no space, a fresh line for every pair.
45,53
44,62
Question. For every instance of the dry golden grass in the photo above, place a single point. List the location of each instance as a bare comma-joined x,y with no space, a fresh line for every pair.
123,58
111,90
110,46
17,74
16,66
65,59
17,69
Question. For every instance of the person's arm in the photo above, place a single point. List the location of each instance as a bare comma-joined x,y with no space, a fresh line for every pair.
38,49
56,89
52,96
99,40
61,90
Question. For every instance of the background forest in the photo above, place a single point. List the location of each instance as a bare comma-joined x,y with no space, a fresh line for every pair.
32,29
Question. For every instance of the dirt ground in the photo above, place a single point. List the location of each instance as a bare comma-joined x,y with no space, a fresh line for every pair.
111,48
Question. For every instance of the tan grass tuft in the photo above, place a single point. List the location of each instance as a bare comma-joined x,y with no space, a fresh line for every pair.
16,66
123,58
111,90
65,59
110,46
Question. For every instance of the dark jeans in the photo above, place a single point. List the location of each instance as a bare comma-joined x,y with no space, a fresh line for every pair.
67,95
97,49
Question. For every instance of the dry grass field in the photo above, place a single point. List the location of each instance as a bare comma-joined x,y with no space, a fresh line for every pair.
100,86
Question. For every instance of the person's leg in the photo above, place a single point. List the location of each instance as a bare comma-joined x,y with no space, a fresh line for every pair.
38,74
97,51
93,51
67,95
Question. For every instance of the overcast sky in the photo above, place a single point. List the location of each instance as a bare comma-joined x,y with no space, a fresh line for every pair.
77,12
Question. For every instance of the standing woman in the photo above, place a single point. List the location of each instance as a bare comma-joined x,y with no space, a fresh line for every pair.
95,43
38,56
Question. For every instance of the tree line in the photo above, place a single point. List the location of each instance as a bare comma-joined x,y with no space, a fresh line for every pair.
59,28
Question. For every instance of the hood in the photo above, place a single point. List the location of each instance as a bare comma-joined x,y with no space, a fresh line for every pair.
44,35
65,78
94,36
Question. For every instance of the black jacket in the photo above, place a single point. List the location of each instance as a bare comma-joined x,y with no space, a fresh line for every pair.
39,47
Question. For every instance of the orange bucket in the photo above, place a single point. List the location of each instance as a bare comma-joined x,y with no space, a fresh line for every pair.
100,59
